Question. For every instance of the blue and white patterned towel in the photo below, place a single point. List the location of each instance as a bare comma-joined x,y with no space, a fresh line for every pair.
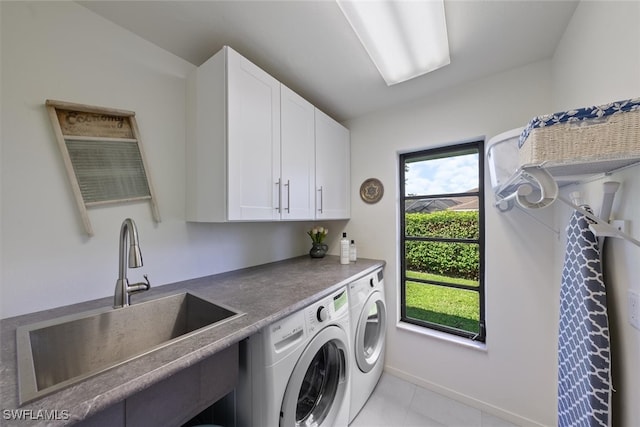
584,367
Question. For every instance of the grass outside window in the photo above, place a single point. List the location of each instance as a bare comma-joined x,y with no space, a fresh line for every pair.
456,308
442,243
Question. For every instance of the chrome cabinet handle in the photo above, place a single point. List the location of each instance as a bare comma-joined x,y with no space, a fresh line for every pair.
279,184
321,201
288,185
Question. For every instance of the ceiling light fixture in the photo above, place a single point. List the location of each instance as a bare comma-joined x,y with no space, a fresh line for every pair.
404,38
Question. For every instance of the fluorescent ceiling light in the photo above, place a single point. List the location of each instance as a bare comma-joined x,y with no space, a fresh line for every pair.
404,38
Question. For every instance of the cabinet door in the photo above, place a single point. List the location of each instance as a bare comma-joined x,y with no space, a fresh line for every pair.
253,141
297,141
333,168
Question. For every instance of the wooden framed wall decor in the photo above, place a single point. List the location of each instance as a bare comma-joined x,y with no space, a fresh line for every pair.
103,156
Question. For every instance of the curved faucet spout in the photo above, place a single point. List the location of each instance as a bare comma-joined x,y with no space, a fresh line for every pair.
122,296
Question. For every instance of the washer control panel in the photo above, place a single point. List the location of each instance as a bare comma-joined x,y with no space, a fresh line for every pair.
329,308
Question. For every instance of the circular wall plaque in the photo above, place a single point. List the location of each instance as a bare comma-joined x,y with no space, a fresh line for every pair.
371,190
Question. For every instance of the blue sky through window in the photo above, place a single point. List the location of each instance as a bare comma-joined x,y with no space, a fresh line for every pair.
457,174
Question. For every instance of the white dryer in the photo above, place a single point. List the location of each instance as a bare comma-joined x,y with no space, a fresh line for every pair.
368,329
295,372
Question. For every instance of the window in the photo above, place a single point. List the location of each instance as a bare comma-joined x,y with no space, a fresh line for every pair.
441,239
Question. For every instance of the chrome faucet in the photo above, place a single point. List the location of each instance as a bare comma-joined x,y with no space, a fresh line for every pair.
122,297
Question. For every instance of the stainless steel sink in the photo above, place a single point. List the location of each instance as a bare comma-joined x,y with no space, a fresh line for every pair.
58,353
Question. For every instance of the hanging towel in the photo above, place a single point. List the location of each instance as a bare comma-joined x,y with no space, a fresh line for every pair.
584,366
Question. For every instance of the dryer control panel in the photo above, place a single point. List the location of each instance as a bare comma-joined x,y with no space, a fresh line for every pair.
360,289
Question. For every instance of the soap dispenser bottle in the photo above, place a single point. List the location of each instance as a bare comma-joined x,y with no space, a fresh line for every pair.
344,249
353,254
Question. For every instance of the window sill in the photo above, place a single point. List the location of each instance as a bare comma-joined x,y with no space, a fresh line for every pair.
464,342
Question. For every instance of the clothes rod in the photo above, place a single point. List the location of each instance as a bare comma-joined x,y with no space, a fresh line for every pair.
601,223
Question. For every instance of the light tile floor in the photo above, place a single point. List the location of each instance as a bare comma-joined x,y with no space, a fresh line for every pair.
398,403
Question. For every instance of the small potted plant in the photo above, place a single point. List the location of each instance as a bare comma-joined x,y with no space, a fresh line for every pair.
318,249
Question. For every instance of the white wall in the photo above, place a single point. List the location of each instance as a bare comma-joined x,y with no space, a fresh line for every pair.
598,61
60,50
515,373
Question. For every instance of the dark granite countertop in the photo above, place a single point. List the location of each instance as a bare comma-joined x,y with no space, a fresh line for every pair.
265,293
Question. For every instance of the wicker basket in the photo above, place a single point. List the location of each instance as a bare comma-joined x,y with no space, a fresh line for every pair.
586,146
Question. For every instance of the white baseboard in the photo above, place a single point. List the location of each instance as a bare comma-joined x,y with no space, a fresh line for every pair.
467,400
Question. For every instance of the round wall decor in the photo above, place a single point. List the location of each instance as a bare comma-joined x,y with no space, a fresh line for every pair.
371,190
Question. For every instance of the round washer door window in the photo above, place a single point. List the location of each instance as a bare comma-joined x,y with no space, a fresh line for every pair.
370,332
317,386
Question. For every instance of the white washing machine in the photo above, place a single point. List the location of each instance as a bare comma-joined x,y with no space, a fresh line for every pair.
295,372
368,330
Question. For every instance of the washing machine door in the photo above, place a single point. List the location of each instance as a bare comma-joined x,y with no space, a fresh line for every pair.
317,387
370,332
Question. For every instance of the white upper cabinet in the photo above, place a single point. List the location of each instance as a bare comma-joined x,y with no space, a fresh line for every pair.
233,141
333,172
297,145
251,148
253,145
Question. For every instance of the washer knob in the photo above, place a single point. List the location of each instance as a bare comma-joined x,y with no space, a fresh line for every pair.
322,314
371,283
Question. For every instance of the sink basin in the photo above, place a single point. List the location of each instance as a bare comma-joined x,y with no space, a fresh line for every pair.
60,352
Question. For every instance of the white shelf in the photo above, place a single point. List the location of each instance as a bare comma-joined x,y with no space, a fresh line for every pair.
535,187
562,175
